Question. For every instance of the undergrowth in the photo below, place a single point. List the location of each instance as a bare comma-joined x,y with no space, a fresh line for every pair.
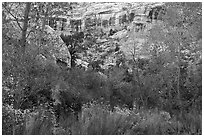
96,119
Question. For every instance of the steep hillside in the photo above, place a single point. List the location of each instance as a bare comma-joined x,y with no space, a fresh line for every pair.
130,34
118,29
72,68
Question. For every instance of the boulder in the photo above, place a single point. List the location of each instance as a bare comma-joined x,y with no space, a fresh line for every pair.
59,48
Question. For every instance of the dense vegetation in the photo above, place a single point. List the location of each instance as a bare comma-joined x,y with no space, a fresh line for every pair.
161,94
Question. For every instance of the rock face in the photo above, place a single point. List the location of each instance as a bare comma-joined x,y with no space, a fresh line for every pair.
128,35
106,14
129,23
105,11
60,50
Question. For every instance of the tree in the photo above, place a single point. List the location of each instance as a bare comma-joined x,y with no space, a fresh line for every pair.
25,25
8,7
177,37
26,80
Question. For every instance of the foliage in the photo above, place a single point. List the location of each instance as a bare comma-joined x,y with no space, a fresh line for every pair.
158,93
40,122
98,121
174,39
12,120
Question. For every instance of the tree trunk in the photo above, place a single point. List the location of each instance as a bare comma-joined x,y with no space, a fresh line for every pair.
25,26
138,77
178,80
43,25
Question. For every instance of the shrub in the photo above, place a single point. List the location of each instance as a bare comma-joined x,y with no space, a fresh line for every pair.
97,120
153,122
12,120
40,122
191,123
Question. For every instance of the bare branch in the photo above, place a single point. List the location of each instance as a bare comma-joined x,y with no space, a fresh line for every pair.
16,19
18,5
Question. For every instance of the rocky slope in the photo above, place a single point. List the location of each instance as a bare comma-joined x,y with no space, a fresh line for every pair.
121,44
127,38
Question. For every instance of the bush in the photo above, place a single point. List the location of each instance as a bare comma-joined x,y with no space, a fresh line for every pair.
12,120
97,120
153,122
40,122
191,123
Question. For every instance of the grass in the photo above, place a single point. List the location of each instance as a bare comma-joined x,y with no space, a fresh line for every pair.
40,122
96,119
